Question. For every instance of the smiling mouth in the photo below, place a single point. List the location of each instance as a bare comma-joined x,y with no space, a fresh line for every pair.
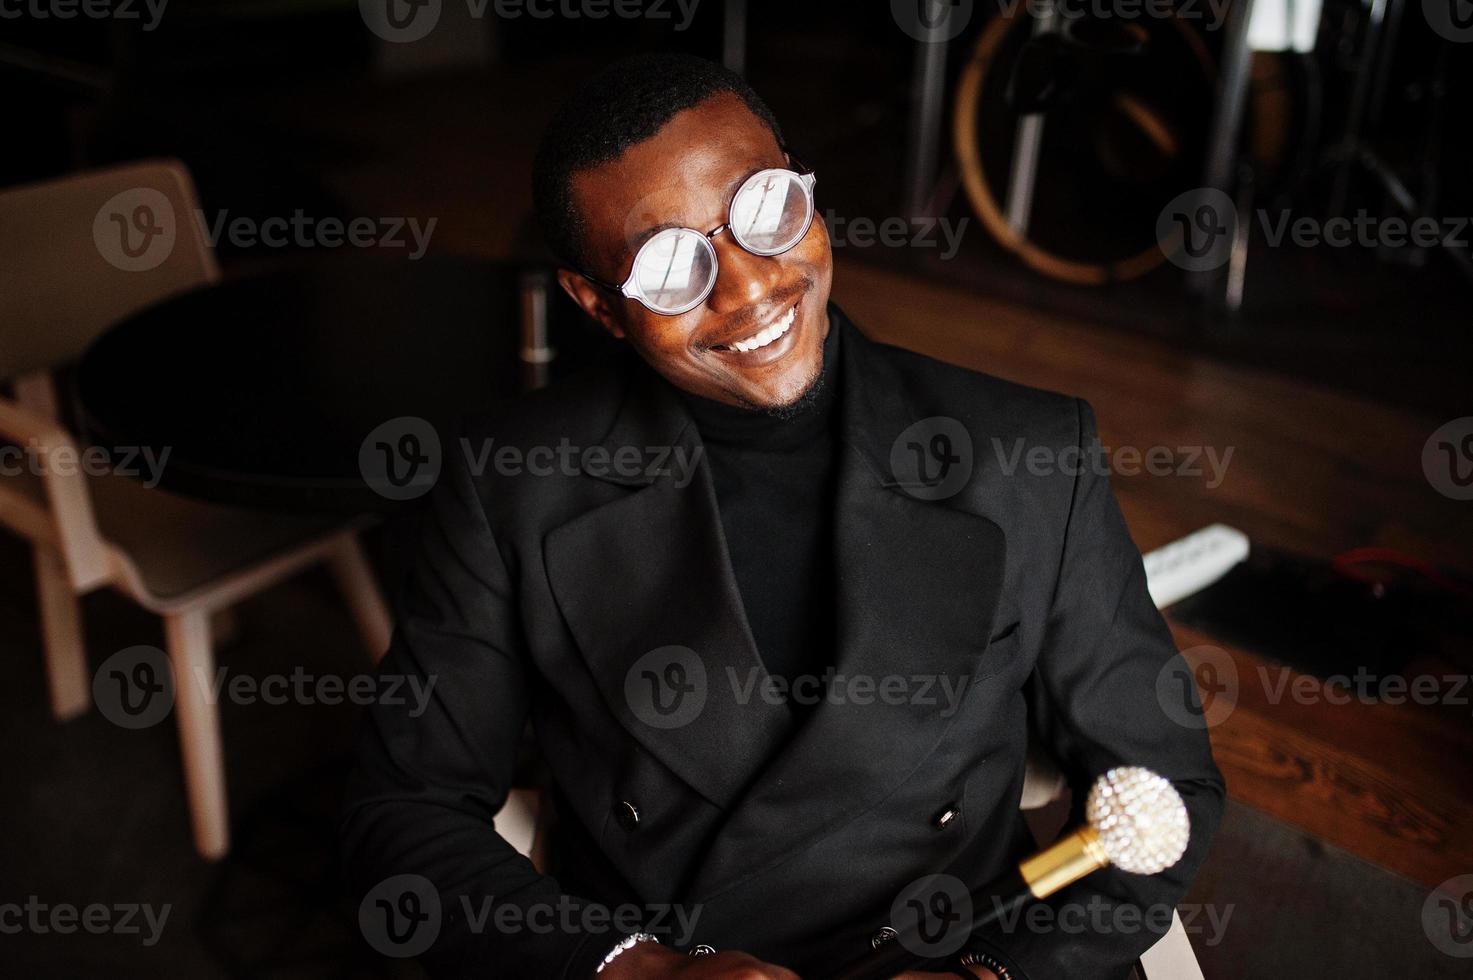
768,334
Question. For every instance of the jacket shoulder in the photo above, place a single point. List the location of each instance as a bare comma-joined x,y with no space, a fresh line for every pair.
994,403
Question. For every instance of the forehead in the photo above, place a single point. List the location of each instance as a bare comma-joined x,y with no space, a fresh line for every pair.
683,175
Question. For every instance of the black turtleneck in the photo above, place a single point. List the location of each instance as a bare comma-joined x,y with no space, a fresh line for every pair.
775,480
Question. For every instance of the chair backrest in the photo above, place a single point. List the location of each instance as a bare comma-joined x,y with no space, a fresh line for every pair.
79,253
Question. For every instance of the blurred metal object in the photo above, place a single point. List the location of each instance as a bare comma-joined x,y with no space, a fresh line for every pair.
1232,96
1029,142
535,352
923,142
1222,151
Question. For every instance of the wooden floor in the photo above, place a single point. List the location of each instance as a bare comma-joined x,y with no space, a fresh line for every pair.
1312,471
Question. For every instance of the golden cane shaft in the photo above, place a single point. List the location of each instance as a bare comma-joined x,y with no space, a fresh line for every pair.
1064,863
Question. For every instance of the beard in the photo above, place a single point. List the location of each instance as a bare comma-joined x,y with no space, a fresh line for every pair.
805,399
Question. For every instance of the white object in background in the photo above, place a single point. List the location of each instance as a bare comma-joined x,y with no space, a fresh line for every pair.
1194,562
1284,25
1172,958
517,820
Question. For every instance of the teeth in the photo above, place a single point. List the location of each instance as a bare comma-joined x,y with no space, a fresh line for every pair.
767,334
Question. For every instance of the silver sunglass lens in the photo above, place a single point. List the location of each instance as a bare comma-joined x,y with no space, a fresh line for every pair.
771,212
674,270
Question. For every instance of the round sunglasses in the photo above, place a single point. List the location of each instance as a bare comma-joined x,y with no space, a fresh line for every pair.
676,268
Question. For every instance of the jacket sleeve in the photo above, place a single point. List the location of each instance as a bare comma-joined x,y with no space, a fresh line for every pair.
1095,706
430,774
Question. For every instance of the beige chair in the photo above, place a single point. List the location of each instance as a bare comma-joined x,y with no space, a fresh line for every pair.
61,285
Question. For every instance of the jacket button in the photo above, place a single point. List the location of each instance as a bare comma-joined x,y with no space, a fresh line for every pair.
627,814
946,816
883,936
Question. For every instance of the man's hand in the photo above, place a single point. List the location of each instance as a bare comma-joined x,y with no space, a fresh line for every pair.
651,960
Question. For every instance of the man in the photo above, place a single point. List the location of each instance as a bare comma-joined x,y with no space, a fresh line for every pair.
782,640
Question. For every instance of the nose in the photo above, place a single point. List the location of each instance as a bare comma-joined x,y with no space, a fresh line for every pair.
742,279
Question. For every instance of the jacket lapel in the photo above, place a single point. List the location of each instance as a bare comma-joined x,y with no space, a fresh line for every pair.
918,585
646,587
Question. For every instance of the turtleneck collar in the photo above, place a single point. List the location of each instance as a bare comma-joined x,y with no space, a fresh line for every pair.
732,425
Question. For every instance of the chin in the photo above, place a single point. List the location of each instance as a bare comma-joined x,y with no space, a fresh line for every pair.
790,393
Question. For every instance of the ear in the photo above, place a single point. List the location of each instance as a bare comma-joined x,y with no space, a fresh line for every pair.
592,299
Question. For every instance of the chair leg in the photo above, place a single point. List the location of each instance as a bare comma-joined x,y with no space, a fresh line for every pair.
355,578
188,637
61,632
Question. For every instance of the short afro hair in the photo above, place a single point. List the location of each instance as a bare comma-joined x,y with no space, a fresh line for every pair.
625,104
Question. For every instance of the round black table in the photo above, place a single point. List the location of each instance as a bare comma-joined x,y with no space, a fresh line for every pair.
268,390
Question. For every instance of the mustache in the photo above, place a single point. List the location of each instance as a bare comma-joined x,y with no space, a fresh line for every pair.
748,320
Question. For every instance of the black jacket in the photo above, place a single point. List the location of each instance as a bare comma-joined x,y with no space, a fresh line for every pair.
555,597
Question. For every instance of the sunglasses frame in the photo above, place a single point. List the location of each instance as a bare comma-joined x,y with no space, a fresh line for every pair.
630,288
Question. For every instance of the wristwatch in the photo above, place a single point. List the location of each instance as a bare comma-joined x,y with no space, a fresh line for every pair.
978,958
